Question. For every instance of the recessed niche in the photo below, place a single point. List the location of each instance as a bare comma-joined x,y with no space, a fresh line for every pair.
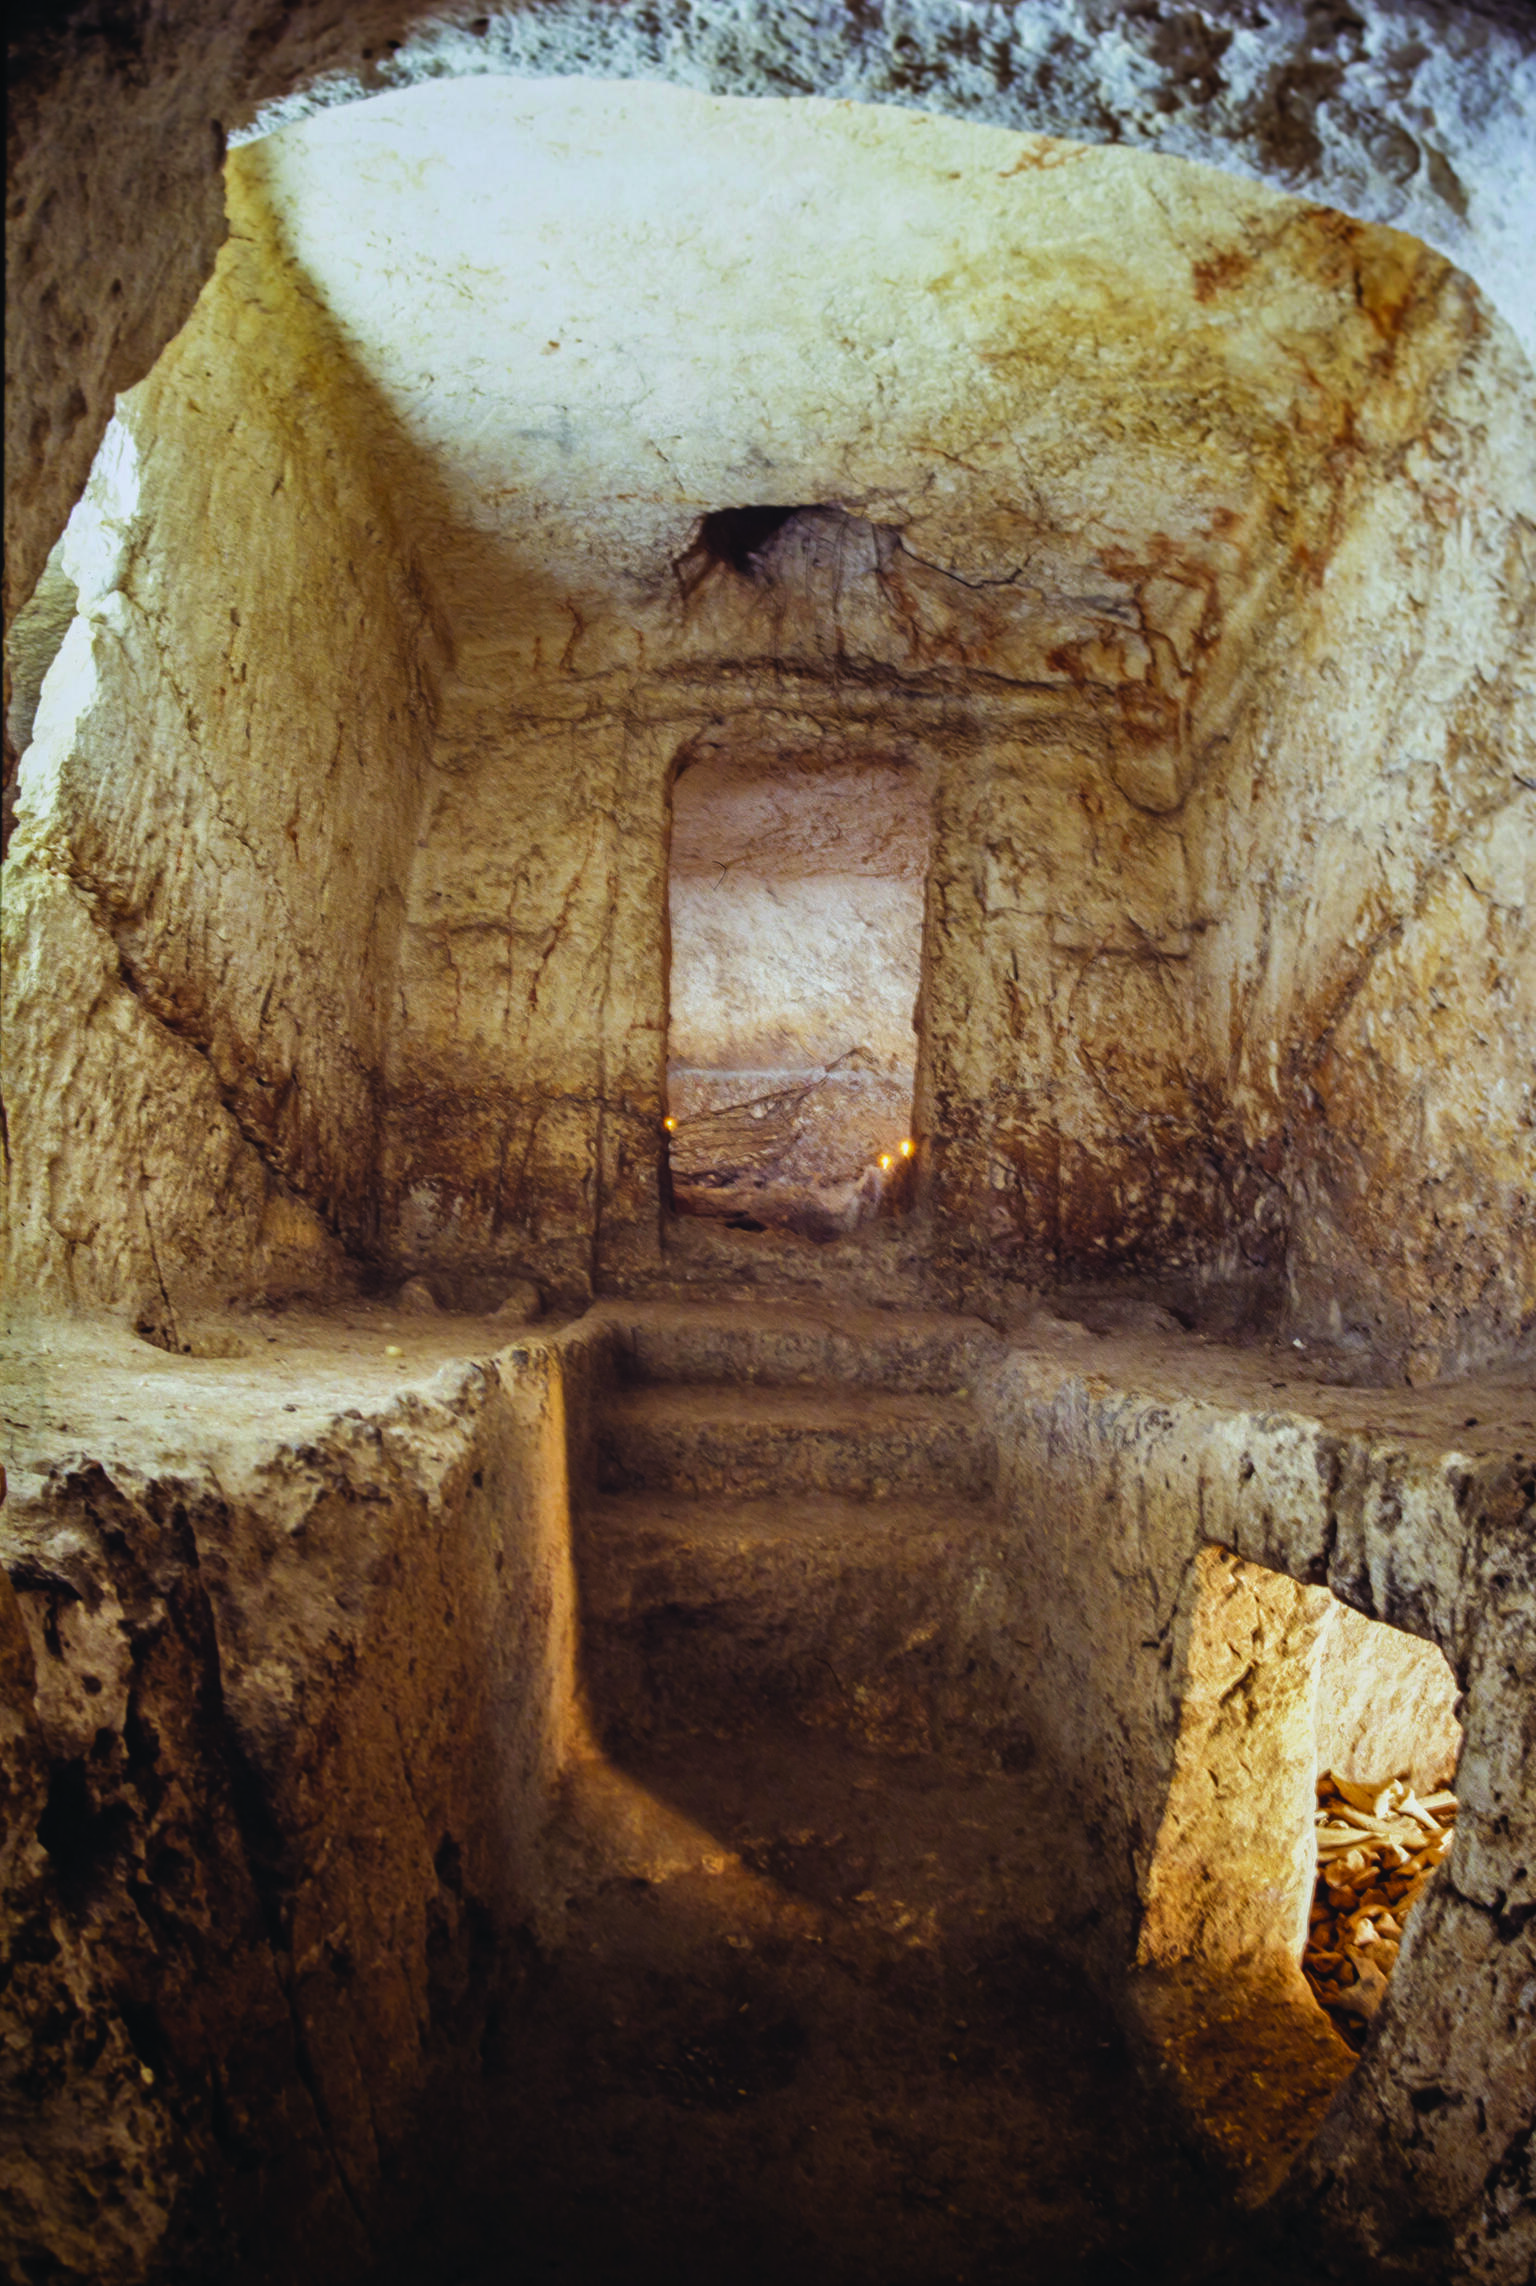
733,537
1387,1741
1267,1939
796,910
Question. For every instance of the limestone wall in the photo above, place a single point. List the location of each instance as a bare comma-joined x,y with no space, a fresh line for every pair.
526,1062
1212,650
1180,1717
337,929
284,1716
1370,978
217,808
1181,652
1386,1702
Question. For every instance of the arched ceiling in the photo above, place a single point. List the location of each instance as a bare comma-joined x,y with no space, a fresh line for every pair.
1413,112
594,312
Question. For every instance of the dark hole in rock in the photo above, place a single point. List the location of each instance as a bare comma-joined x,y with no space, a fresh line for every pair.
81,1836
736,537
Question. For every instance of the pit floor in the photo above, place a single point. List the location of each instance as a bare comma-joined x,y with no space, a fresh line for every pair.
844,2057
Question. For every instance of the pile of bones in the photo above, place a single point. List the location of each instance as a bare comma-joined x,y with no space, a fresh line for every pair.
1376,1848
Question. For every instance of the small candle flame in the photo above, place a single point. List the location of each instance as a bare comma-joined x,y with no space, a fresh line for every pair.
907,1148
669,1125
885,1158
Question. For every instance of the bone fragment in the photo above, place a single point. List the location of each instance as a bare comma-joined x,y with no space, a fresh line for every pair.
1376,1849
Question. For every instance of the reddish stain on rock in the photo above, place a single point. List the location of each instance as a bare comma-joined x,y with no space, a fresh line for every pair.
1219,272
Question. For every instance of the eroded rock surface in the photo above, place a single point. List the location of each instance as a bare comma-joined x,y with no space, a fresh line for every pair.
203,905
301,1772
533,454
289,1684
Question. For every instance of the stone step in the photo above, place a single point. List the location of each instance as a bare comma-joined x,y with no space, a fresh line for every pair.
889,1620
710,1439
794,1346
639,1550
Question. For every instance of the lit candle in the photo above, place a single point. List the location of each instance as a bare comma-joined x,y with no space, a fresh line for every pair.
885,1158
908,1148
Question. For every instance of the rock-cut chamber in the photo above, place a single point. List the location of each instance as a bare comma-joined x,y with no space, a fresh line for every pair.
1108,787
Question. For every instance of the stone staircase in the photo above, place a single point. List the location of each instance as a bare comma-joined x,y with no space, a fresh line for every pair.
793,1521
819,1905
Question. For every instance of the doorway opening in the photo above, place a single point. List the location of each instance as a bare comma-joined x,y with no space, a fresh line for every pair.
796,895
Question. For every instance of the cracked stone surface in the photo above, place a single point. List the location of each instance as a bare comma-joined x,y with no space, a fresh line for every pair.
1118,473
287,786
291,1683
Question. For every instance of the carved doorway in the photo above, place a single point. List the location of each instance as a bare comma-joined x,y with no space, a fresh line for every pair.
796,895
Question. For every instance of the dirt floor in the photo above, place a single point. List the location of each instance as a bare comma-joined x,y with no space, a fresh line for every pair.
840,2058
